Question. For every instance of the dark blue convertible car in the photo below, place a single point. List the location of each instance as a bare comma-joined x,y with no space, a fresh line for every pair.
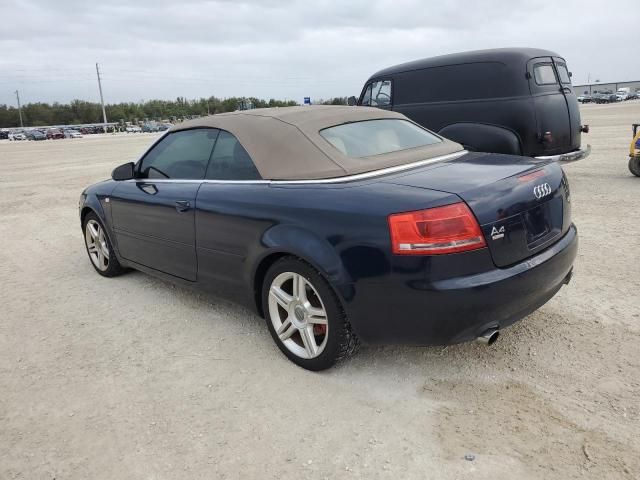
339,224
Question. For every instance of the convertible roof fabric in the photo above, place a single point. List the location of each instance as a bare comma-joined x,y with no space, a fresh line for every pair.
285,143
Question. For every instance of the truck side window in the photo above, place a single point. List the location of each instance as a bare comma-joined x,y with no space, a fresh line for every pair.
544,74
377,94
563,73
381,93
366,99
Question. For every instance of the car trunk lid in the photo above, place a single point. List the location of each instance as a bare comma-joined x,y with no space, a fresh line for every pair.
522,204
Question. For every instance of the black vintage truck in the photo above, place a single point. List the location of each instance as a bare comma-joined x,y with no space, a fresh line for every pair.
517,100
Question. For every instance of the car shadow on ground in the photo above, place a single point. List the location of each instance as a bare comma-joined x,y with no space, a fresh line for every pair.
384,357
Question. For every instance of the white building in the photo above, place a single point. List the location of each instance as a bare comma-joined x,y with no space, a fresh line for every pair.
592,88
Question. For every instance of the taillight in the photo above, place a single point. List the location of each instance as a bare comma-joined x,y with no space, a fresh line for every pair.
435,231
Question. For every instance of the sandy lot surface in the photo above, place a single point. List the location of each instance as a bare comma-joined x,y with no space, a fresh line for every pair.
135,378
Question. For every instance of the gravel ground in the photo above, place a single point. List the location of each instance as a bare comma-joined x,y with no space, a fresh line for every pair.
135,378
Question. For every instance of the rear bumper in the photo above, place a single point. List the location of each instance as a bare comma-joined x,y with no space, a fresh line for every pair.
570,156
459,309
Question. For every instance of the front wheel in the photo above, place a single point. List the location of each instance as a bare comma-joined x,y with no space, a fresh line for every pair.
99,248
304,316
634,166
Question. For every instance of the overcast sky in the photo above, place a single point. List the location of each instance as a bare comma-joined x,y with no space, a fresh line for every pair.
284,49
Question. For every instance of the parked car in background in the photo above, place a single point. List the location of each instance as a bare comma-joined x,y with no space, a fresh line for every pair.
623,93
605,97
17,136
585,98
4,134
35,135
71,133
54,134
133,129
516,101
338,224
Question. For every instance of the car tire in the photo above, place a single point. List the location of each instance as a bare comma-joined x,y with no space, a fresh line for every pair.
305,316
99,248
634,166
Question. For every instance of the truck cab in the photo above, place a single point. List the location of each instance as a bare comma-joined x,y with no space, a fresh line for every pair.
514,101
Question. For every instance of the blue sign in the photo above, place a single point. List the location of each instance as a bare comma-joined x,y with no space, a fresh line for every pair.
307,100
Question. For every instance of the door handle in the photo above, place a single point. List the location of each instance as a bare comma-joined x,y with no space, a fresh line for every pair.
183,205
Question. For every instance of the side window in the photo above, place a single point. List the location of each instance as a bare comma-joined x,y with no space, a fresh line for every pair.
381,93
181,155
543,74
366,99
230,161
563,73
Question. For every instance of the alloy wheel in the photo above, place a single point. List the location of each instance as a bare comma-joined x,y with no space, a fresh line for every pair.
97,245
298,315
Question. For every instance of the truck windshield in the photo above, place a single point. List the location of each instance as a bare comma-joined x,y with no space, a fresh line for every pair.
375,137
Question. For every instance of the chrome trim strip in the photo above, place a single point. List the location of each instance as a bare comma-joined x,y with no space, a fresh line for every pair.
375,173
568,157
345,179
177,180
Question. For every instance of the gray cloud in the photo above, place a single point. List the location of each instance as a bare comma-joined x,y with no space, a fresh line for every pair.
164,49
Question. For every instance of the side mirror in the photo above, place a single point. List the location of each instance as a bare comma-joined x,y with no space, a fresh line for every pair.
351,101
123,172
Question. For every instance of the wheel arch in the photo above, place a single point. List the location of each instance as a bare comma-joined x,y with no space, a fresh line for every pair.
288,241
484,137
93,205
84,212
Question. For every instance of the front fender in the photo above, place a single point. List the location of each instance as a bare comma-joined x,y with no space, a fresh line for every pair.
94,199
91,202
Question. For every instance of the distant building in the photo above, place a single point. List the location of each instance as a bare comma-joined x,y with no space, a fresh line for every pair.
605,87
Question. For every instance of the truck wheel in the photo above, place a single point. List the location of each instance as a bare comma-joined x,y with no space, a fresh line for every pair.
634,166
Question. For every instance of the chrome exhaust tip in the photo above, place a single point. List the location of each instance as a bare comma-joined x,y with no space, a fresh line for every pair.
489,336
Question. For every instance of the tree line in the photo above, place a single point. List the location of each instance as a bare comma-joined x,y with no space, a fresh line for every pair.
80,111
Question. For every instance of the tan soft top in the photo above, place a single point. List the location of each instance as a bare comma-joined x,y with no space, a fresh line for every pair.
285,143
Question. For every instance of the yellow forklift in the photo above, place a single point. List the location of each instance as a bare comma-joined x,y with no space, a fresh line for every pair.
634,151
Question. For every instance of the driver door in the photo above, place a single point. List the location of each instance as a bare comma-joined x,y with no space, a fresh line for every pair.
153,215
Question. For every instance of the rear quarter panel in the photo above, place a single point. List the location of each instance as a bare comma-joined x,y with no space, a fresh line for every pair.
341,230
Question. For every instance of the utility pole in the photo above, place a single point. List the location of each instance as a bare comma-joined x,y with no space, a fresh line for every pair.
104,113
19,108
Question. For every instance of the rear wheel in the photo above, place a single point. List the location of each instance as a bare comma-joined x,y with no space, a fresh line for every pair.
99,247
304,315
634,166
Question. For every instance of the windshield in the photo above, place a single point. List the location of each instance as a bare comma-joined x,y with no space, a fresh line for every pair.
376,137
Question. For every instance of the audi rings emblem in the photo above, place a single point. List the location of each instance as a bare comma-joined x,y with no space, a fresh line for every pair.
542,190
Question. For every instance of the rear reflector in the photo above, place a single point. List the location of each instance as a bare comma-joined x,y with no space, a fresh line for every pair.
435,231
531,176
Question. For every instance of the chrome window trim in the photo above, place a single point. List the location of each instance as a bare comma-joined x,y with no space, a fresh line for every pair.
374,173
321,181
